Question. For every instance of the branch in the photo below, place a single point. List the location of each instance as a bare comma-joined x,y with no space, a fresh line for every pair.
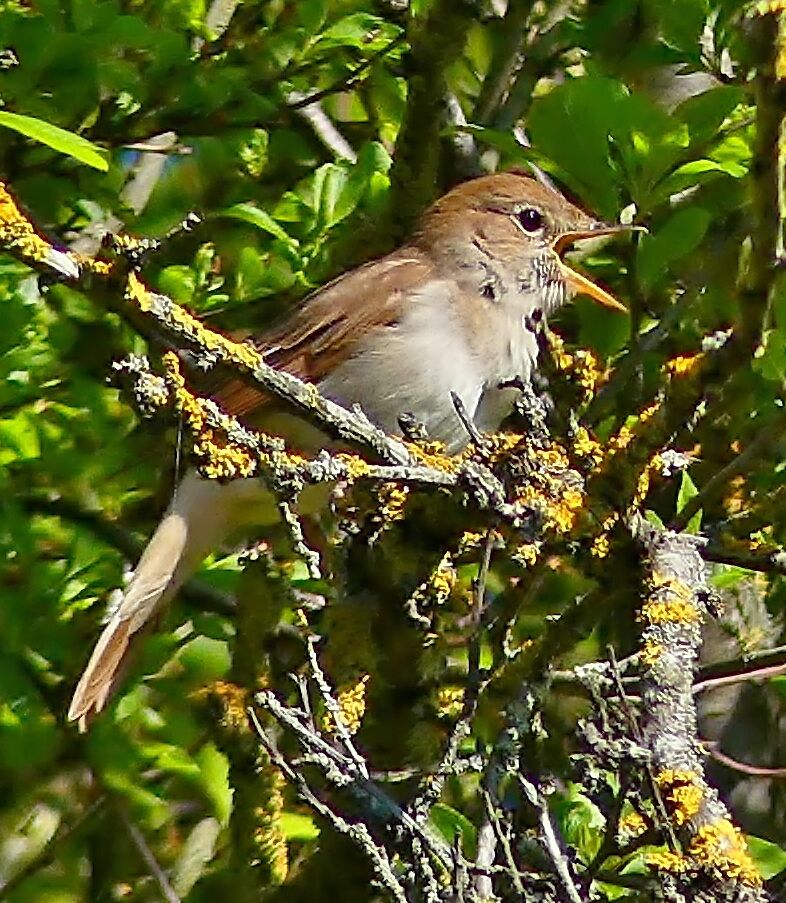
766,238
156,872
506,61
435,40
322,126
772,561
675,605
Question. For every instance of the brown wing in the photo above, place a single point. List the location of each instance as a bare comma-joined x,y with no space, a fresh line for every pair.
326,327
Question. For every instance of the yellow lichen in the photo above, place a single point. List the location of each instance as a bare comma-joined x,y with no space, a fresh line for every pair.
219,458
631,825
241,354
651,651
580,365
600,546
470,541
765,7
355,465
722,846
527,553
667,861
18,234
433,454
682,791
734,500
393,500
686,801
584,446
669,612
587,371
654,466
269,834
564,513
351,698
683,364
442,579
233,704
450,701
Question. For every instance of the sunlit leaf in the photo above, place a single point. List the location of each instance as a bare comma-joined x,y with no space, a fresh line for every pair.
58,139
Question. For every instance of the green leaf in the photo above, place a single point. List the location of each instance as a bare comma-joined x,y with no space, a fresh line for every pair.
361,30
770,858
173,759
214,777
697,172
451,824
680,235
580,820
208,658
178,282
571,125
58,139
686,492
704,113
299,827
329,183
197,851
250,213
19,438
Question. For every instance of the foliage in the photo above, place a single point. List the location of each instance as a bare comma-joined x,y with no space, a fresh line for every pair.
658,109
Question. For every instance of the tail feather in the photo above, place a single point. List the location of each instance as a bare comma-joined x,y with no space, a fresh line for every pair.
198,520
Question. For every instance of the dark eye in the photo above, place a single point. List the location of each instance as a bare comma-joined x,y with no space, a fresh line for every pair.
530,219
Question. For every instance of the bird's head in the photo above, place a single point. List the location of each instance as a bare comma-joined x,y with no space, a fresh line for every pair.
513,224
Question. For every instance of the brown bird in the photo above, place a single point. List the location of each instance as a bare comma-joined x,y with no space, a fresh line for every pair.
450,311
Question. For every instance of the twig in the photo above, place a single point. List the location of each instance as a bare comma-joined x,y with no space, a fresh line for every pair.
150,860
350,80
550,841
357,831
506,61
676,602
763,658
333,707
741,677
771,561
762,43
323,127
636,733
492,820
755,771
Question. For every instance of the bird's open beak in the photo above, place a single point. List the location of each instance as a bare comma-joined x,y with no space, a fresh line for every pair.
576,280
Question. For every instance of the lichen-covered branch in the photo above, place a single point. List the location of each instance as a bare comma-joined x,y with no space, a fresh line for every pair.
676,603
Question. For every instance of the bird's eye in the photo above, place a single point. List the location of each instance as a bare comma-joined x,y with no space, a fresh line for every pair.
530,219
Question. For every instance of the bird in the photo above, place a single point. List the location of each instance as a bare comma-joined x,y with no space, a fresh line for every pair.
450,311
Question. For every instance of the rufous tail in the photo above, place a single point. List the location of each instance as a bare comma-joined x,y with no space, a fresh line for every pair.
200,516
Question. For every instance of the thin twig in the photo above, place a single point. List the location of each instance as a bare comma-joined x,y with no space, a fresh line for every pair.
555,851
756,771
150,860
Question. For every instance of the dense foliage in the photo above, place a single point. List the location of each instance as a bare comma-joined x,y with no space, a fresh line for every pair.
309,135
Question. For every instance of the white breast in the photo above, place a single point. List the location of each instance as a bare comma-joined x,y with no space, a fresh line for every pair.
414,366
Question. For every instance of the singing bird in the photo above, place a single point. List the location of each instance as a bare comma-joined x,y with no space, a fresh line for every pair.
450,311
